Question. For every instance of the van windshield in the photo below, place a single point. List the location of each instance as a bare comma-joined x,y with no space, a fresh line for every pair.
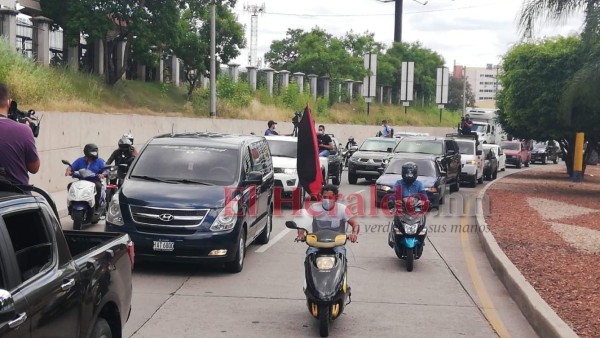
283,148
466,148
419,146
195,163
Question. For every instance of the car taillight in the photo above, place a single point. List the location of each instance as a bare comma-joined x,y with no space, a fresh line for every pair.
131,252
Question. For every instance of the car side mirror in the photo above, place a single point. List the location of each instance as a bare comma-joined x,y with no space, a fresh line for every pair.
65,162
254,178
291,225
7,306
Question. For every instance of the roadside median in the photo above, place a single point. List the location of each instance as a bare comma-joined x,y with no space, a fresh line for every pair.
549,274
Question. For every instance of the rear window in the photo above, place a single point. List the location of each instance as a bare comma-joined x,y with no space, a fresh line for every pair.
425,167
420,146
206,164
510,146
466,148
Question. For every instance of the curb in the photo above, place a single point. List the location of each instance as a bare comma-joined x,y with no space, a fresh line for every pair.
539,314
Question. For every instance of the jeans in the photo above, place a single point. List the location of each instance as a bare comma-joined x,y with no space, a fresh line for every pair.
324,153
337,249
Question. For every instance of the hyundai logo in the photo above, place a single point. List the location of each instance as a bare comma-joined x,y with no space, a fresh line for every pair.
166,217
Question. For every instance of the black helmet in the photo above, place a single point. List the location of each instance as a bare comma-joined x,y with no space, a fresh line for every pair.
409,172
125,143
91,150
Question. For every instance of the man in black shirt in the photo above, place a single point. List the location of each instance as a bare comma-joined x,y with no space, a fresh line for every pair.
325,142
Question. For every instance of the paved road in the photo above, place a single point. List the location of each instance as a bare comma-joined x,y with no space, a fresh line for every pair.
452,292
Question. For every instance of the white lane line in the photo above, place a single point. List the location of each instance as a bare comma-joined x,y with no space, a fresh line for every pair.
273,240
360,191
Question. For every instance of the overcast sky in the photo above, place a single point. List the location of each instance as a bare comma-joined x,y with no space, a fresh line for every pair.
472,32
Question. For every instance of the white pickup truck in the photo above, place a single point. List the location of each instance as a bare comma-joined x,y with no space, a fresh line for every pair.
485,125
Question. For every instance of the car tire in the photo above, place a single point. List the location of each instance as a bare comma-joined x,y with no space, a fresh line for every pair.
238,263
265,236
473,182
479,180
519,165
543,160
352,179
101,329
338,178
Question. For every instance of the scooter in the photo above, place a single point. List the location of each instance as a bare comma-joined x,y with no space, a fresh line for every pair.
326,289
408,233
81,198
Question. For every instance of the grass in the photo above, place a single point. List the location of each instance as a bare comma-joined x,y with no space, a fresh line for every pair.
58,89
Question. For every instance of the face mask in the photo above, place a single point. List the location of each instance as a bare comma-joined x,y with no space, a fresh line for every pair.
327,204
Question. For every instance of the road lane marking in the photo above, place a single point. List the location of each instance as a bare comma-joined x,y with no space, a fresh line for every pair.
273,240
486,302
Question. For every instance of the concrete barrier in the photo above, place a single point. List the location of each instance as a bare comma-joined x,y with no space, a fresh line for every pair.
539,314
63,135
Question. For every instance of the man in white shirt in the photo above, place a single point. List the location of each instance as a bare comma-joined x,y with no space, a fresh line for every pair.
331,215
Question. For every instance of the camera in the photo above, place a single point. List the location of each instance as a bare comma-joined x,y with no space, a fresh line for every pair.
297,117
24,116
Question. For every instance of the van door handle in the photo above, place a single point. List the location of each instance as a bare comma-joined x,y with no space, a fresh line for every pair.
17,322
68,285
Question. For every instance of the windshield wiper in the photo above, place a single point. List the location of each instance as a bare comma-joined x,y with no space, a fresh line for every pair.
187,181
150,178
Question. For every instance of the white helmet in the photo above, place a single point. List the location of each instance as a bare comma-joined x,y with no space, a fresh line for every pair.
129,136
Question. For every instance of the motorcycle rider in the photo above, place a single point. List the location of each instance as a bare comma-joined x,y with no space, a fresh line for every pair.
125,154
330,215
92,162
409,185
351,143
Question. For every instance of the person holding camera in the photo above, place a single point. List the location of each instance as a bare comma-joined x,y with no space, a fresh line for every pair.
18,153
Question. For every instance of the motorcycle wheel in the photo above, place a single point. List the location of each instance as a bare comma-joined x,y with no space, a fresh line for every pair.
324,320
410,259
77,216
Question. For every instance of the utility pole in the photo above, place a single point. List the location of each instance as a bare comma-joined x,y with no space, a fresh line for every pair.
464,90
398,17
213,62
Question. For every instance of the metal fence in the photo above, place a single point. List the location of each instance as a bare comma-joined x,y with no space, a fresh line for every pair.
24,42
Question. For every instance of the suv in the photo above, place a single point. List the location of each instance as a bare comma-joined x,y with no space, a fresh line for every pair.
371,158
284,150
445,149
471,159
545,151
517,153
201,197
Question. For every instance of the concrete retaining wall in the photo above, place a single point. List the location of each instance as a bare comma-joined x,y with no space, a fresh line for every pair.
63,136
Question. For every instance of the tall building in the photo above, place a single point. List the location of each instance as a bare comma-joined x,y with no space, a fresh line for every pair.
484,84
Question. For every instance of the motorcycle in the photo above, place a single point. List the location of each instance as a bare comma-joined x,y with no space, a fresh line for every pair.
408,233
114,179
81,198
348,153
326,289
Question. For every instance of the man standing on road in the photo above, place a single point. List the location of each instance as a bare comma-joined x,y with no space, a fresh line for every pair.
18,153
271,129
325,142
387,130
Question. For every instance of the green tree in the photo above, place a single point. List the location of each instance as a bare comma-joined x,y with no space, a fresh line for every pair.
194,42
532,100
283,53
455,94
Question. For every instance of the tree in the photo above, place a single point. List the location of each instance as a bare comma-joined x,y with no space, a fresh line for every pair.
389,67
531,102
194,42
316,52
455,94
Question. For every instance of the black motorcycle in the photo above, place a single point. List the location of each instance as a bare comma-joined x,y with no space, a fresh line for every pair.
347,153
408,233
326,289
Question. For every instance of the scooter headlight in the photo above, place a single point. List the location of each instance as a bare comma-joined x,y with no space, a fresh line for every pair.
411,229
325,263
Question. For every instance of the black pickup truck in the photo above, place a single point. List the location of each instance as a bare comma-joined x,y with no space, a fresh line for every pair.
55,283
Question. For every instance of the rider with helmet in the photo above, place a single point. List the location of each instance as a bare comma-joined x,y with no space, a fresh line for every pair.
125,153
409,185
92,162
351,143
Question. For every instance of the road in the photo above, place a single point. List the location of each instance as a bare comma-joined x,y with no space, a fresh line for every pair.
452,291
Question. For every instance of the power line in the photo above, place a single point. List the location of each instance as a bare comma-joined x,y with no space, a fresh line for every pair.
382,14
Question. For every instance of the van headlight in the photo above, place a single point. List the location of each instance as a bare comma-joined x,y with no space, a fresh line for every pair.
226,218
114,215
410,229
383,187
325,263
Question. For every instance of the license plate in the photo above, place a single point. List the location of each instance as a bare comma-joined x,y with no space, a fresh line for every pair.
164,246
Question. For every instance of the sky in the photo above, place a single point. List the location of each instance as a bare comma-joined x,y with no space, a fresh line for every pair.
472,33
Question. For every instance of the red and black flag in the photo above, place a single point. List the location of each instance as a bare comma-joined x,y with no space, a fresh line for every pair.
308,164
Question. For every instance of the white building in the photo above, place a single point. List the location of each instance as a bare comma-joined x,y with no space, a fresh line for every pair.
484,84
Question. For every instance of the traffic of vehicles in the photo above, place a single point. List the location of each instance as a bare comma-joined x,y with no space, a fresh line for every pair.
175,211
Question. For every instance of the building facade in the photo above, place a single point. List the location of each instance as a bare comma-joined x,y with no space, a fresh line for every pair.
484,84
